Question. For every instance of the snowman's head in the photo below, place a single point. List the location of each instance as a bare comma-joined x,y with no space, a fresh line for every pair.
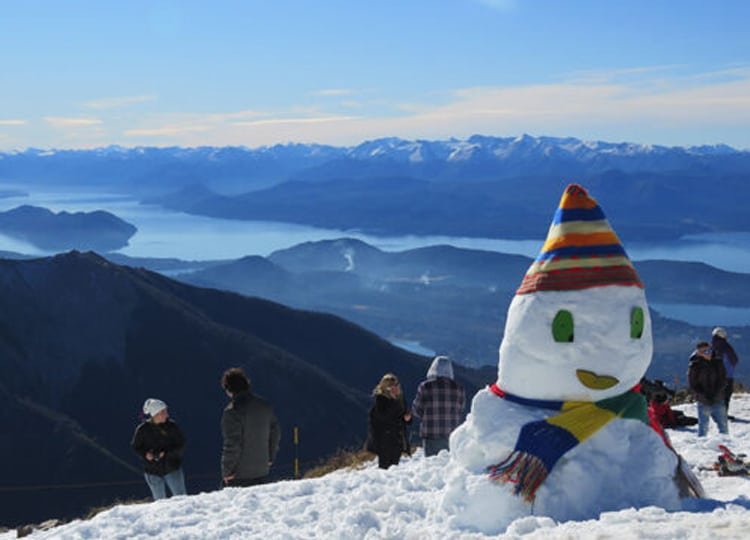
578,327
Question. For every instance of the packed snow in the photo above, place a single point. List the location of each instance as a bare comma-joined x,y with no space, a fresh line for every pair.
405,502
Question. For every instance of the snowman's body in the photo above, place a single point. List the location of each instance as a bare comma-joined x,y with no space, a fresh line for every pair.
625,464
578,330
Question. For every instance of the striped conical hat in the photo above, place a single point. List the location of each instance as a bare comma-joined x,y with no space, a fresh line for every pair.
581,250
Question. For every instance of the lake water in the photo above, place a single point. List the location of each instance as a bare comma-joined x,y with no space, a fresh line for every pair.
703,315
165,233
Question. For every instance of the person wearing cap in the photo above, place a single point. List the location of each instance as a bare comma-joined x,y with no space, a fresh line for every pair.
722,350
250,431
707,379
160,444
439,403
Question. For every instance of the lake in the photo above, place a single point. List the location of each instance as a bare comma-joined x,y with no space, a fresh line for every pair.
166,233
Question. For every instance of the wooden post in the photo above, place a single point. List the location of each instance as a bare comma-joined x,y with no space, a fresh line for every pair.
296,452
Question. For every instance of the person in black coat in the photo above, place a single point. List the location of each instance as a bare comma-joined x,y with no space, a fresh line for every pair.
160,444
707,380
387,422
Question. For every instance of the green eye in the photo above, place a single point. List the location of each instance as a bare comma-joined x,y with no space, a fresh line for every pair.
562,327
636,323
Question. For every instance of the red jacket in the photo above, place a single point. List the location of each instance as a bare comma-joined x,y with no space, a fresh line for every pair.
662,414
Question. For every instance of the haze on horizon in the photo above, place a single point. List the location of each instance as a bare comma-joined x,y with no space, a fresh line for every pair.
83,73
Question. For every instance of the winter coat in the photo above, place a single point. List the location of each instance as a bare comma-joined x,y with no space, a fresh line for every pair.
721,349
387,429
439,404
157,438
662,413
251,437
707,379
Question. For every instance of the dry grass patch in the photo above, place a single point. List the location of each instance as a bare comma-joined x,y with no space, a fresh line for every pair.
342,459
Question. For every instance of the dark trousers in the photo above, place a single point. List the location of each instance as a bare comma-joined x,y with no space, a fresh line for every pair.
388,457
435,445
245,482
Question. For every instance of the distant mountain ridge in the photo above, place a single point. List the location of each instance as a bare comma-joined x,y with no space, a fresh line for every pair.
454,300
479,157
482,186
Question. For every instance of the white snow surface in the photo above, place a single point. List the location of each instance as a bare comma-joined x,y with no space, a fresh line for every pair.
406,502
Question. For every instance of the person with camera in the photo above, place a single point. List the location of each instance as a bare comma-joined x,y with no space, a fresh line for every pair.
721,349
160,444
707,379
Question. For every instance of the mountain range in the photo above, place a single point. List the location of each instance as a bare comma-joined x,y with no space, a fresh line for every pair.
453,300
476,158
494,187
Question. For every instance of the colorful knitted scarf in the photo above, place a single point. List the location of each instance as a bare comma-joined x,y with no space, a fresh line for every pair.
542,443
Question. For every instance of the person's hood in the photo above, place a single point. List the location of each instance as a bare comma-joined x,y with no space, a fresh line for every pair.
441,367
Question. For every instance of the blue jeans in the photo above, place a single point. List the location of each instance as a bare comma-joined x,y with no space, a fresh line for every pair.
158,484
718,412
433,446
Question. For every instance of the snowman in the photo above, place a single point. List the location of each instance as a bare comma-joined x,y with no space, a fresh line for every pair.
562,433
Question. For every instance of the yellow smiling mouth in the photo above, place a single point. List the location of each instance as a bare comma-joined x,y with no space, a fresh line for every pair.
589,379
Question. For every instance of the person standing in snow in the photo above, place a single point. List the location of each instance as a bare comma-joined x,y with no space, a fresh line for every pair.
387,422
707,380
160,444
250,431
440,403
722,350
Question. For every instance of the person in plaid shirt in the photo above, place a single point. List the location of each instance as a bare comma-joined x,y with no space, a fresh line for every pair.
439,403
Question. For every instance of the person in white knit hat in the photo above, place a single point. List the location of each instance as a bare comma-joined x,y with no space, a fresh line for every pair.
160,444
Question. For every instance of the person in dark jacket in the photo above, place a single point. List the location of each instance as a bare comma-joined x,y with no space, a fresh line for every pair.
440,403
720,348
387,422
250,431
707,379
160,444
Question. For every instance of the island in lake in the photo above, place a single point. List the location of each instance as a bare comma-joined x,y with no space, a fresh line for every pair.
61,231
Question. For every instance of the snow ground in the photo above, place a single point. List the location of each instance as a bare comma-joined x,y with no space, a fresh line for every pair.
404,502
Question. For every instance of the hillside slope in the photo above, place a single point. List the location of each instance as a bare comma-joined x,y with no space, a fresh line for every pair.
88,341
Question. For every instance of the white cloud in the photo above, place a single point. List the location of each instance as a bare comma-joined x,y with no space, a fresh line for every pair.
64,122
13,122
166,131
334,92
658,105
118,102
298,121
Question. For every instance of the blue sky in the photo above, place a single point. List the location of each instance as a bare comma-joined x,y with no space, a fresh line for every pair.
81,74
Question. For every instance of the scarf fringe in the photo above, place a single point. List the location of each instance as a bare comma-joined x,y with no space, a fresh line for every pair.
524,470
